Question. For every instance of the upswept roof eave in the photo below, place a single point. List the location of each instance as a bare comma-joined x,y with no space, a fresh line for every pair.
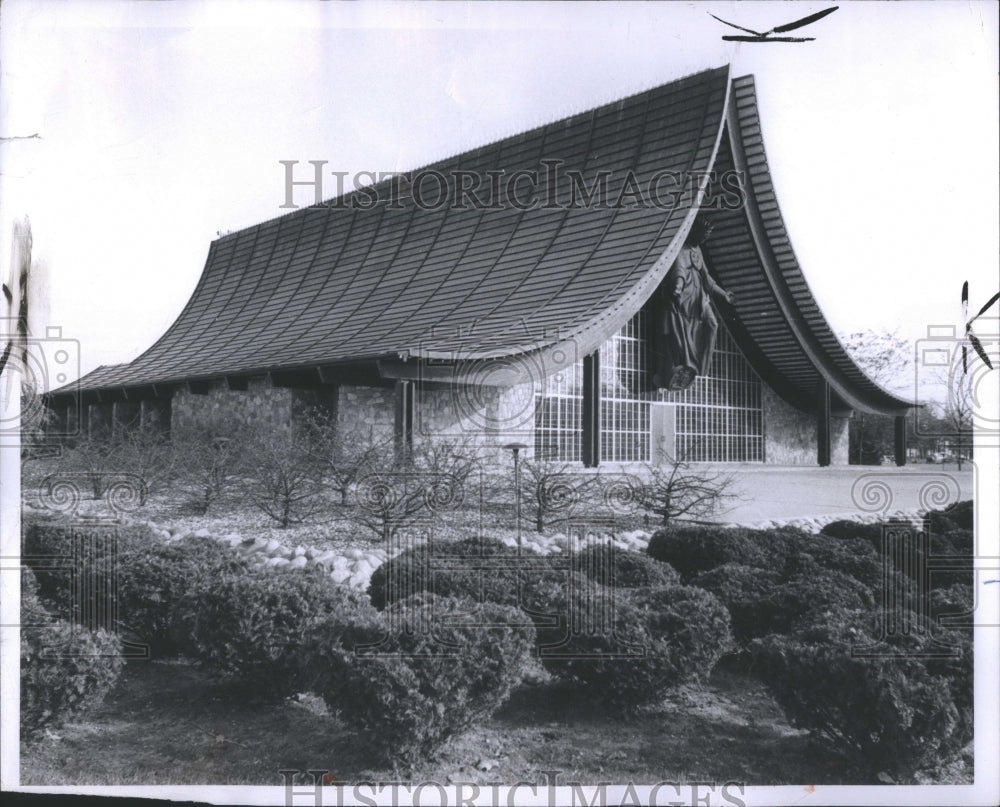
814,337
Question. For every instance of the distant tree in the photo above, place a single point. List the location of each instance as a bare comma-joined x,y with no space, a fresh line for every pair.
957,412
886,359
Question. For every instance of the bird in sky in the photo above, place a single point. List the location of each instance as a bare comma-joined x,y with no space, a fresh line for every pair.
765,36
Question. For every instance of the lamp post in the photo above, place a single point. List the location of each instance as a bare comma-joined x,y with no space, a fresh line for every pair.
515,448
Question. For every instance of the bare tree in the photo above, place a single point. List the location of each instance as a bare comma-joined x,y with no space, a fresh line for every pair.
208,460
958,410
886,359
552,488
343,458
677,488
281,477
396,488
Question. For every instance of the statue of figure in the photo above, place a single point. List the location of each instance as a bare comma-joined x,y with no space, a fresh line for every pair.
684,337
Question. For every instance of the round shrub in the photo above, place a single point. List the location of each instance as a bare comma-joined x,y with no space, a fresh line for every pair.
413,571
748,594
57,550
845,528
657,639
812,588
962,539
155,577
851,556
32,611
424,671
691,550
958,515
891,712
64,671
249,624
631,569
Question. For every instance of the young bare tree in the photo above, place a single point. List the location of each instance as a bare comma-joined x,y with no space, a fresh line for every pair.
396,488
553,489
680,489
343,457
281,477
208,460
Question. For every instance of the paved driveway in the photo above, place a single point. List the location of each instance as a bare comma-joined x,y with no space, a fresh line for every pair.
785,492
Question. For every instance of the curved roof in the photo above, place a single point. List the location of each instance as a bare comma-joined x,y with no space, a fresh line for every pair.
348,281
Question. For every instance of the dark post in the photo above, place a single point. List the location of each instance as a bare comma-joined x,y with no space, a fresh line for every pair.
899,424
823,422
404,420
591,410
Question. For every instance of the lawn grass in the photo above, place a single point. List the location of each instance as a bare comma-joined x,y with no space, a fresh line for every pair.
173,723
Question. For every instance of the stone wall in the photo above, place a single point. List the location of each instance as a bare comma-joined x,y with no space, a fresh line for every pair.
367,413
259,406
490,416
789,435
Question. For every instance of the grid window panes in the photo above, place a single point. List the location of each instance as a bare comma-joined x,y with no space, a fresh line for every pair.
624,403
624,406
719,418
559,415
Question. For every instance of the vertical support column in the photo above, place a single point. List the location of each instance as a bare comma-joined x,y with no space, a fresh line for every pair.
899,424
403,424
591,443
823,449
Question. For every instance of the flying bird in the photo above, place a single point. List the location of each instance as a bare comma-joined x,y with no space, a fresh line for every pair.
765,36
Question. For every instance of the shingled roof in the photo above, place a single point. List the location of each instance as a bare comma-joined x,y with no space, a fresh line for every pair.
334,285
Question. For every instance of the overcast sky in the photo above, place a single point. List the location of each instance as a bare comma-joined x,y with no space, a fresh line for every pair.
161,124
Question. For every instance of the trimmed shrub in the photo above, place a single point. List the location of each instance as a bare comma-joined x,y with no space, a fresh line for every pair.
659,638
470,572
963,514
691,550
57,550
958,515
154,578
845,528
763,601
64,671
408,690
895,713
32,610
748,594
249,624
853,557
632,569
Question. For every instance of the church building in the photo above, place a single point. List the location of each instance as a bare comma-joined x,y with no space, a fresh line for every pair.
524,292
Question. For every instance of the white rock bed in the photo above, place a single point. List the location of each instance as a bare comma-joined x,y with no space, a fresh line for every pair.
354,567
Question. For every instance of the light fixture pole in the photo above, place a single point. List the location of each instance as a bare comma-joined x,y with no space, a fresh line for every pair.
515,448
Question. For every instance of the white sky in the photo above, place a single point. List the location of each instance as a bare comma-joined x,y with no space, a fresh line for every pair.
163,123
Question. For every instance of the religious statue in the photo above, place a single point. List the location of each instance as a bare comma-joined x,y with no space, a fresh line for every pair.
684,335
